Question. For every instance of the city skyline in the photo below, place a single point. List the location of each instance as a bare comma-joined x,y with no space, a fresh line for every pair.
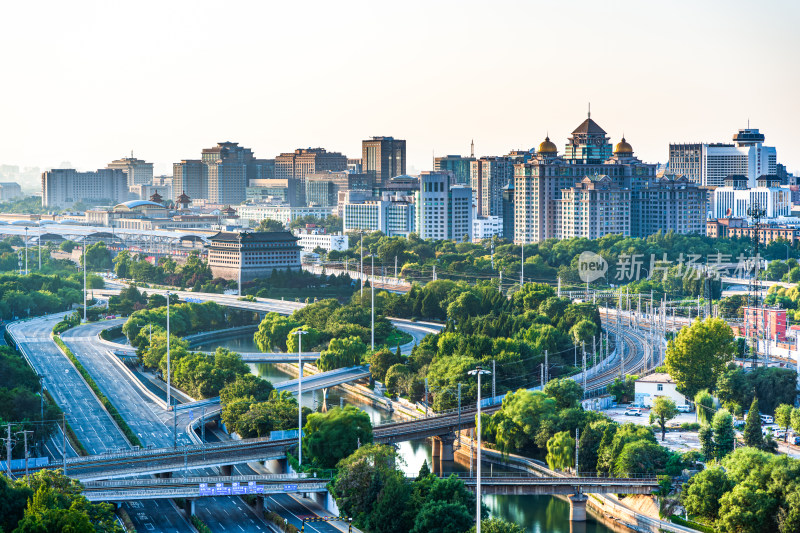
657,74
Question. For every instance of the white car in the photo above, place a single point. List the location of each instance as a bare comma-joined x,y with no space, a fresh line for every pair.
684,408
633,412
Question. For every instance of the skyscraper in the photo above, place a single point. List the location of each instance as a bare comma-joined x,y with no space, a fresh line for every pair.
65,187
710,163
488,177
221,175
384,158
458,165
304,161
444,211
138,171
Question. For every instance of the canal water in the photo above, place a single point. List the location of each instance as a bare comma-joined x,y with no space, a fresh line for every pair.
537,514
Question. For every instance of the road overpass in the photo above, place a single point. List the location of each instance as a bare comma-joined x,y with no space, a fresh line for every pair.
504,483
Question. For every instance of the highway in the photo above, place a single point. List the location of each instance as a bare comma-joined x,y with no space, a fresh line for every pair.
90,421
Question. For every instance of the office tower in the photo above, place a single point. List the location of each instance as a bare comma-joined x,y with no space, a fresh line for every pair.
668,203
392,214
710,163
263,190
322,188
354,166
488,177
189,177
460,167
444,211
540,182
384,158
138,171
66,187
298,164
221,174
735,198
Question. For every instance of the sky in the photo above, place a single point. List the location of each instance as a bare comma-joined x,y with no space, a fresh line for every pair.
87,82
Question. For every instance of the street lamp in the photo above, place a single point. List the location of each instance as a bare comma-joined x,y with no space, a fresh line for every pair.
372,294
169,381
300,333
84,277
478,372
26,250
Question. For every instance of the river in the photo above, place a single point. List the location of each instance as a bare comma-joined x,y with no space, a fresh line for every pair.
537,514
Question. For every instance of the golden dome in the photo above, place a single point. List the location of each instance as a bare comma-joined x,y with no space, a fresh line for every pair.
623,147
547,146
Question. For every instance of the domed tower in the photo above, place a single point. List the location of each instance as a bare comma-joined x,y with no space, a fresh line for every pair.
623,149
548,148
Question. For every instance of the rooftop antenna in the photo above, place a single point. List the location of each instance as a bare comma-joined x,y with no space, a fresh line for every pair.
590,110
472,148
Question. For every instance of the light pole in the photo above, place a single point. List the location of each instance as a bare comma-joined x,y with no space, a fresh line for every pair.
372,295
362,266
26,250
300,333
479,372
85,293
169,381
39,243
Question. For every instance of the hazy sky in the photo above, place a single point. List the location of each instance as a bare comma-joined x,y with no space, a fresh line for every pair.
87,82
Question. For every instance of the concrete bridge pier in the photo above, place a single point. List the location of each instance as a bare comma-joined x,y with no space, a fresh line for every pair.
436,448
226,470
260,506
188,507
577,507
276,466
446,447
325,400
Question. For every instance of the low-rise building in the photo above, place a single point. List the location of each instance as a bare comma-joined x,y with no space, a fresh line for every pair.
311,239
648,388
394,215
486,228
255,213
245,256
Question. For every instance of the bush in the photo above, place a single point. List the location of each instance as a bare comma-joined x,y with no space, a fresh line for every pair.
690,426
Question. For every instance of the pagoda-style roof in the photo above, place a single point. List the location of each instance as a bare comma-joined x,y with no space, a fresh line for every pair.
589,127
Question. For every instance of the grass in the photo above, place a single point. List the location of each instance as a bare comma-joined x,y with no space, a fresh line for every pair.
688,523
126,429
126,520
398,337
200,525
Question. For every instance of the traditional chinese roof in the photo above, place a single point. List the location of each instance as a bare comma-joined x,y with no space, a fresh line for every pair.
589,127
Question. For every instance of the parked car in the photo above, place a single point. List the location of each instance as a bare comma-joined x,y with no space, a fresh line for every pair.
686,408
794,439
632,412
766,419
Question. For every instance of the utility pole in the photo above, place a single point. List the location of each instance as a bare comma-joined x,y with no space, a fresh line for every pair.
500,285
594,350
39,244
85,293
577,440
174,427
372,295
541,374
521,271
203,427
26,250
8,449
459,412
558,291
426,397
583,349
64,442
395,266
546,368
25,448
434,273
362,266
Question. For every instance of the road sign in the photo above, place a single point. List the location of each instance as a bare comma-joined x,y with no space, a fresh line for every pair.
289,488
237,489
205,490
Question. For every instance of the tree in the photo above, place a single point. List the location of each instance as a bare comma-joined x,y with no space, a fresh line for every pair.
398,379
582,332
706,437
566,392
332,436
747,509
393,511
752,427
623,390
358,476
272,332
498,525
724,435
270,225
442,517
796,421
783,417
663,410
98,257
561,451
704,403
342,353
699,354
701,495
381,361
311,339
246,386
640,457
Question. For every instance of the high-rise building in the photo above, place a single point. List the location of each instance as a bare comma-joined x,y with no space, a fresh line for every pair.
304,161
66,187
189,177
539,185
392,214
595,207
488,177
9,190
735,198
460,166
138,171
710,163
221,175
322,188
668,203
384,158
508,211
444,211
263,190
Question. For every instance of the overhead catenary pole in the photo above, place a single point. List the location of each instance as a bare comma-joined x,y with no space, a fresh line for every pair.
494,374
85,294
362,266
372,297
522,267
300,334
169,379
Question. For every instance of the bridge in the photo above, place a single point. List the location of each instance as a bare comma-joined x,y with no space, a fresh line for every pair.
520,484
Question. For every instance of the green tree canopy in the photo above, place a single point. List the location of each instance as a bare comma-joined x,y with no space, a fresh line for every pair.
699,354
662,411
332,436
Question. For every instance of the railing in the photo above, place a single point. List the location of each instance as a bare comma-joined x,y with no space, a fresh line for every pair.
585,477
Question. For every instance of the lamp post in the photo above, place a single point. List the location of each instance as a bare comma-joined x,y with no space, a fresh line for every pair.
300,333
362,266
26,250
478,372
169,381
84,278
39,243
372,295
